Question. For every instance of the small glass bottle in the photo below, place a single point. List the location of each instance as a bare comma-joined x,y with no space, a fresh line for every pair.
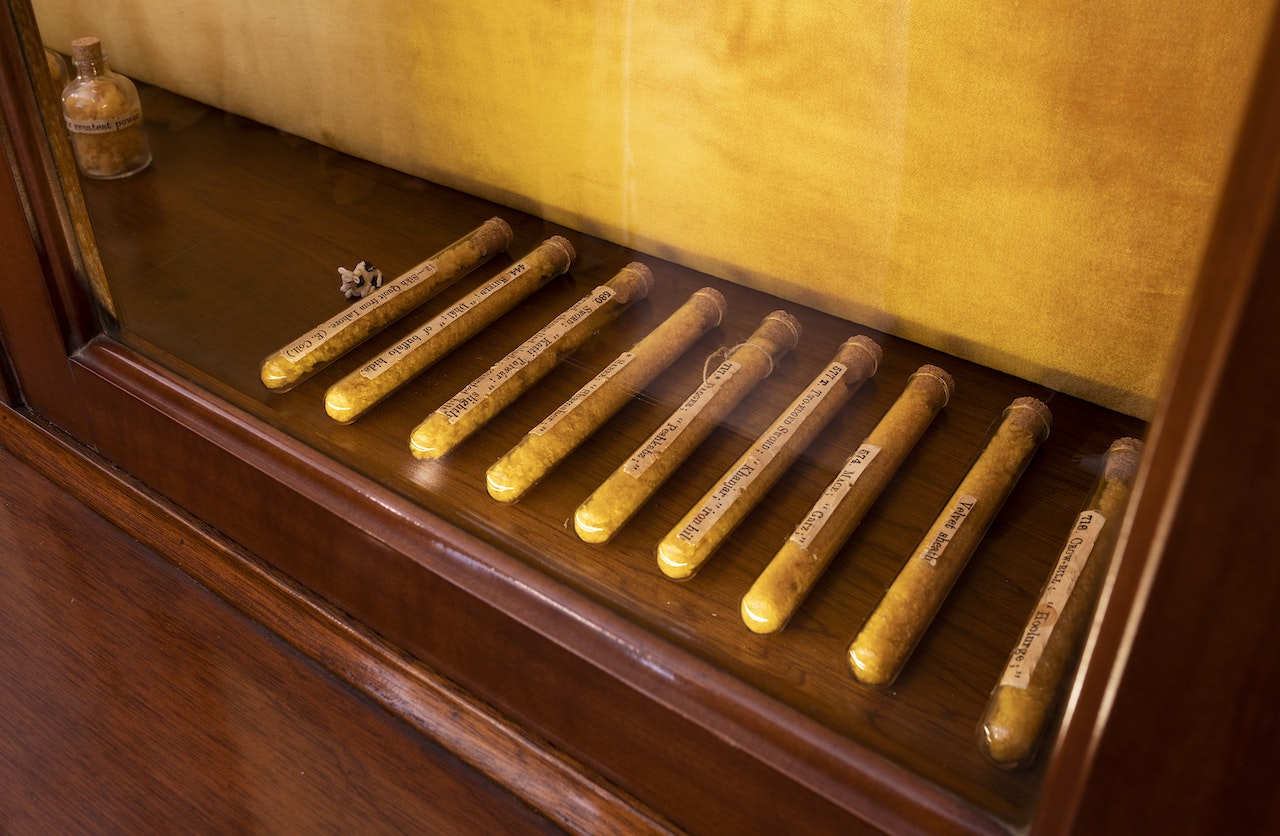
103,116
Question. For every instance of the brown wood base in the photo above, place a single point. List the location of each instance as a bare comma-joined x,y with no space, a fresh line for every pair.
156,674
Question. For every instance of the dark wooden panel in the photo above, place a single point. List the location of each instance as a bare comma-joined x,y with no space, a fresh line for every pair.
608,692
1166,729
30,328
136,700
46,312
1201,672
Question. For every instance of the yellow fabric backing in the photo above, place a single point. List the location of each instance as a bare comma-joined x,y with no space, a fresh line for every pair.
1027,185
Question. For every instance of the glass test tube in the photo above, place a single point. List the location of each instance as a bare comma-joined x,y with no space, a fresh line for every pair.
889,635
1033,680
361,390
490,393
785,582
618,498
561,432
365,317
704,528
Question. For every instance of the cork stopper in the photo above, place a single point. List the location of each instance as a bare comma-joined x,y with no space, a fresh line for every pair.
792,324
636,290
777,333
1122,460
941,376
561,243
717,299
88,49
1030,412
494,235
864,345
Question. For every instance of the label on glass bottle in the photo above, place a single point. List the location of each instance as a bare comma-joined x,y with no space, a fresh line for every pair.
107,125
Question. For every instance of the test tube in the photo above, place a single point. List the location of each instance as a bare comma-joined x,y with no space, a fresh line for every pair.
890,634
618,498
363,318
561,432
362,389
522,367
704,528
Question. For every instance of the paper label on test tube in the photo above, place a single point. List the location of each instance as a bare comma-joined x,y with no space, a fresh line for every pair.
382,362
1025,657
356,312
681,418
582,394
759,458
833,496
526,353
733,485
946,530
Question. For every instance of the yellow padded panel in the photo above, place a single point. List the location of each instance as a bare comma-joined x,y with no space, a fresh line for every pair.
1026,185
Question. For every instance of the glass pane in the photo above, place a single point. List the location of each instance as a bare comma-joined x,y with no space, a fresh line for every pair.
1019,196
916,168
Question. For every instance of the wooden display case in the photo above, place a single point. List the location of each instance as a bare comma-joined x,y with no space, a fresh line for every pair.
646,698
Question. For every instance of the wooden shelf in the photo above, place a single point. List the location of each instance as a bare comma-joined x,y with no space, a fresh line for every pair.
228,247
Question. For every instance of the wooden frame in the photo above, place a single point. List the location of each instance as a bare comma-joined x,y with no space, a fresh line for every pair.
1199,498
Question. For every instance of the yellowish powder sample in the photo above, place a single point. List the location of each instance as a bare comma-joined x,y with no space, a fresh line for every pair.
562,431
103,116
528,363
1032,683
636,480
359,391
693,540
889,635
779,590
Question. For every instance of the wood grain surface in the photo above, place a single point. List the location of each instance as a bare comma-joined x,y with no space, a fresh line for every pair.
136,700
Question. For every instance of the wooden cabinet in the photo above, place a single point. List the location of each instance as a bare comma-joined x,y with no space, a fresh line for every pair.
597,690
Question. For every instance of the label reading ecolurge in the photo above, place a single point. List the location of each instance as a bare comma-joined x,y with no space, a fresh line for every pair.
1025,657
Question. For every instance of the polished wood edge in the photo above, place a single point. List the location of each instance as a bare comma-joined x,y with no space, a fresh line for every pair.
8,389
25,321
40,321
45,164
866,785
30,332
545,779
1229,274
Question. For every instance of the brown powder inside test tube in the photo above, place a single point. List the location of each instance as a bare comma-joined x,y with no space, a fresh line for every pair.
633,483
1018,711
779,590
528,363
564,430
682,553
889,635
